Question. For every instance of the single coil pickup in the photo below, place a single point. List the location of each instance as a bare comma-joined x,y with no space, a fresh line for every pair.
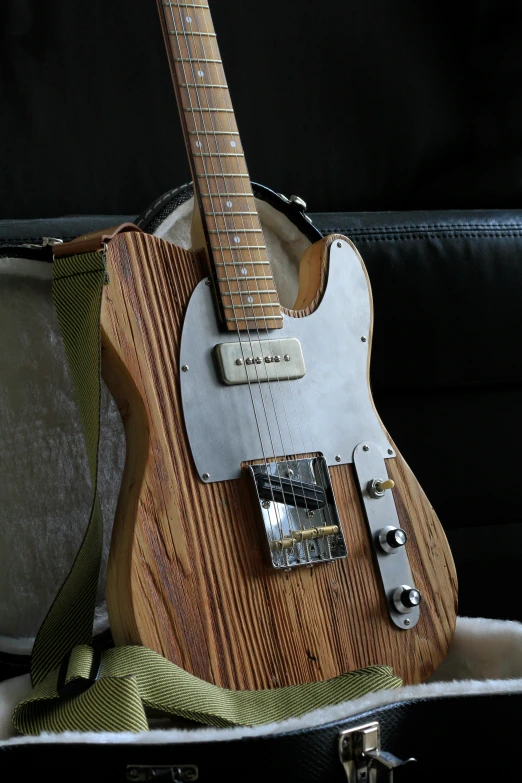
293,493
260,361
288,542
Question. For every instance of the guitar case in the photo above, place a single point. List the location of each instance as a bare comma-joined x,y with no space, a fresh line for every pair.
462,724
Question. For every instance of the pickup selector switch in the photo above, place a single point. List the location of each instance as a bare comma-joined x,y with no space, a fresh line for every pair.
377,487
406,598
392,539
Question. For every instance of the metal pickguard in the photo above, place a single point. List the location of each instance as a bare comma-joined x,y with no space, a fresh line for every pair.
328,411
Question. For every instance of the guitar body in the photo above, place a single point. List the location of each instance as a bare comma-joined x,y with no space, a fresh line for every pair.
189,575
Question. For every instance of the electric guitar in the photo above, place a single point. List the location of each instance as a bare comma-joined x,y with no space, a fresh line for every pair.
268,531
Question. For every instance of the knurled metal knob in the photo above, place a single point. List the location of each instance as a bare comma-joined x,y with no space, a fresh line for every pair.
392,539
406,598
396,538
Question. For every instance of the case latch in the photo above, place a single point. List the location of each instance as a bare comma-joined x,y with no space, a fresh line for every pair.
362,758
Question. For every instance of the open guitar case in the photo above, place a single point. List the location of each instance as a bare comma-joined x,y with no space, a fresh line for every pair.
445,390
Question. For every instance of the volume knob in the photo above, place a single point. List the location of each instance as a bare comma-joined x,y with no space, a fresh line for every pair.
406,598
392,539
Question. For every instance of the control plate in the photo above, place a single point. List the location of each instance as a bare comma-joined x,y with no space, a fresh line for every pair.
380,513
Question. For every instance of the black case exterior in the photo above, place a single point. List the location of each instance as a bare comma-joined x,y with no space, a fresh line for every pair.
455,739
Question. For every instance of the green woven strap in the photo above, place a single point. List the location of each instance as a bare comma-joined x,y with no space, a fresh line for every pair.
77,290
72,690
135,678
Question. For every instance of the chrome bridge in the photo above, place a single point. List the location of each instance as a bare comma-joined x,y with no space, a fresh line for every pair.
299,513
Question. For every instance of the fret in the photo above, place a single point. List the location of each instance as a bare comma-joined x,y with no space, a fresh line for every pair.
201,84
198,47
239,247
213,133
185,5
222,195
217,155
218,176
230,213
189,32
250,293
246,277
242,263
235,231
247,305
255,318
195,110
196,60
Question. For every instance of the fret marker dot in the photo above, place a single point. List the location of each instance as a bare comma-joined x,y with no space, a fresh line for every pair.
233,144
229,204
201,73
199,144
244,271
250,299
189,19
237,240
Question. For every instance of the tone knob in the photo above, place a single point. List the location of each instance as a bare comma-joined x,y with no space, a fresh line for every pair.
396,538
392,539
406,598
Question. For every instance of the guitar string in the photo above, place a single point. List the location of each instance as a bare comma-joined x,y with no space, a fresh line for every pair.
246,323
278,340
206,174
235,230
278,463
271,341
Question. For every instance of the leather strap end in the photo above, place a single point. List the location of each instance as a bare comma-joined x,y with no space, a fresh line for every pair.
90,243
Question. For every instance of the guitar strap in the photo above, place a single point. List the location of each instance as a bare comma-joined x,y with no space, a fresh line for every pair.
76,688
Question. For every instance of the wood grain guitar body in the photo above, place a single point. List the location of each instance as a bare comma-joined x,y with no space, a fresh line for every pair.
172,583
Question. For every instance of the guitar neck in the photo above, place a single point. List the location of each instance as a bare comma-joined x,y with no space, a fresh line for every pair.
234,238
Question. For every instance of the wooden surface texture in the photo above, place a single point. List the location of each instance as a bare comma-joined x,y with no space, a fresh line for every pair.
188,574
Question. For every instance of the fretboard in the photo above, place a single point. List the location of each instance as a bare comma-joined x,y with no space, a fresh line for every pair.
235,242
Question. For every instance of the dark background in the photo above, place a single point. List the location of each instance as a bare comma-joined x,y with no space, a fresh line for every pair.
381,104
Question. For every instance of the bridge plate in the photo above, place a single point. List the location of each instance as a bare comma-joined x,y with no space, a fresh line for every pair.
301,529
